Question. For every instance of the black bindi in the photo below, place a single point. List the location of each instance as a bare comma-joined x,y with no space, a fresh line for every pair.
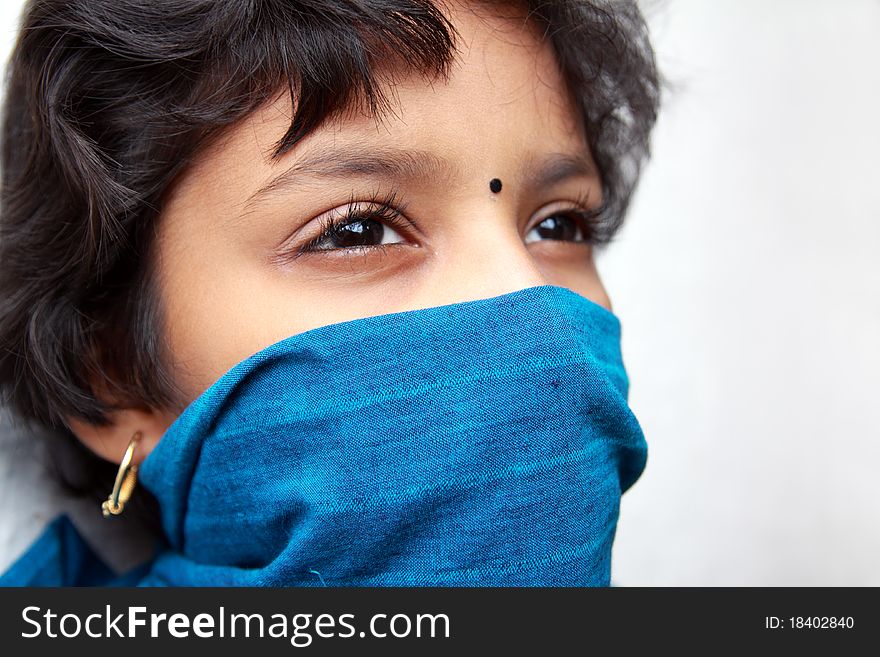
495,185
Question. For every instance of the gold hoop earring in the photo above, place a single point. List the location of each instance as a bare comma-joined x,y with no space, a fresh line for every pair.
126,478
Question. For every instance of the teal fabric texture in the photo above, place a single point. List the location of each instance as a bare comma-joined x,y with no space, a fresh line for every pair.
479,443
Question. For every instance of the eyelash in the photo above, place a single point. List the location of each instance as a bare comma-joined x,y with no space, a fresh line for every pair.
388,209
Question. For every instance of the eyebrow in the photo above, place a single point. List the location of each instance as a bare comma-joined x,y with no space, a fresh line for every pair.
409,165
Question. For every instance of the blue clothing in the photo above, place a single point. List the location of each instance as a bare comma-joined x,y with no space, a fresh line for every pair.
61,557
481,443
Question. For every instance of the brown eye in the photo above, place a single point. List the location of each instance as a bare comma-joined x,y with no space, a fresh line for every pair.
357,229
560,226
357,233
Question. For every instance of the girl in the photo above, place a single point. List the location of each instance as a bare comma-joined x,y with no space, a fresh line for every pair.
314,281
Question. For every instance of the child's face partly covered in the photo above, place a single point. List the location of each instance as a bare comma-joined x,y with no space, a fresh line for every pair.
229,283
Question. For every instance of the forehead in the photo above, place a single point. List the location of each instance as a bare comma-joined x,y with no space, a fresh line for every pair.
505,98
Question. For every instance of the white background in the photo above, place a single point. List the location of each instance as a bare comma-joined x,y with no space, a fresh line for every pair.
748,284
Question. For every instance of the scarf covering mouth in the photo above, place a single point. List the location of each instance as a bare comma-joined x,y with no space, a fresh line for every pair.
479,443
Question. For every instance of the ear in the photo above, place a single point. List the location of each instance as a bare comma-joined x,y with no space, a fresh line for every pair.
110,441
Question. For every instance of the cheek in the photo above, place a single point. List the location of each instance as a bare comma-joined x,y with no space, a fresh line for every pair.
572,267
217,315
214,311
221,306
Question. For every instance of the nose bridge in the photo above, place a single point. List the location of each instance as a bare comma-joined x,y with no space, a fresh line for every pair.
478,264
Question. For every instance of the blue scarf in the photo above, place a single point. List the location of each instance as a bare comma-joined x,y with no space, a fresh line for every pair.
480,443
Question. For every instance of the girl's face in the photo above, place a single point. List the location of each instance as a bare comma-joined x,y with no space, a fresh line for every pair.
240,256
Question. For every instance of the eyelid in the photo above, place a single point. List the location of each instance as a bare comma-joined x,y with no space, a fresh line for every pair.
580,205
389,207
589,216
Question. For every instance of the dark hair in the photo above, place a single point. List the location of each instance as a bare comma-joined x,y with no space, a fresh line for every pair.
106,103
